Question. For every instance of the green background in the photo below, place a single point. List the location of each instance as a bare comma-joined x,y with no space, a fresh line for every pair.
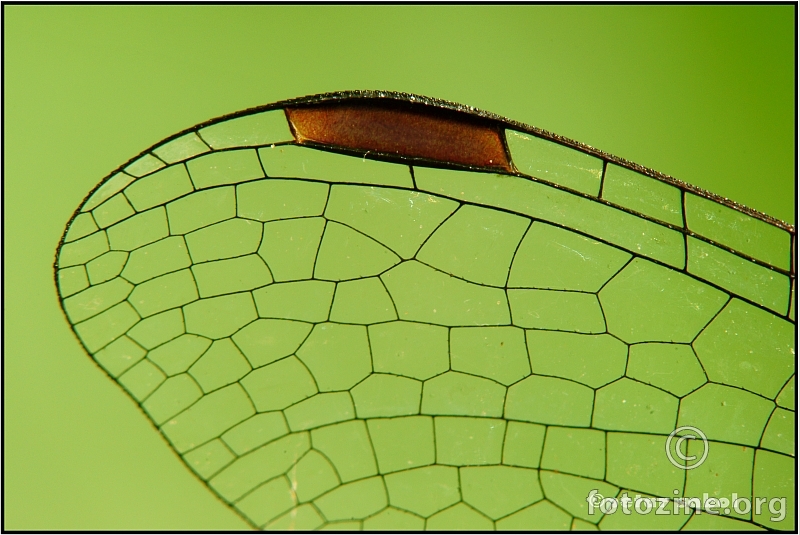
705,94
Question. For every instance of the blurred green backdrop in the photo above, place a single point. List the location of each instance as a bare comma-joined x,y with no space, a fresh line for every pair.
705,94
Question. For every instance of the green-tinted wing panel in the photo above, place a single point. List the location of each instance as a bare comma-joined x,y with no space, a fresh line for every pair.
381,312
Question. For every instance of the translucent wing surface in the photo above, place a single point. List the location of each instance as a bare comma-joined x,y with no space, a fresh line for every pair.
379,311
